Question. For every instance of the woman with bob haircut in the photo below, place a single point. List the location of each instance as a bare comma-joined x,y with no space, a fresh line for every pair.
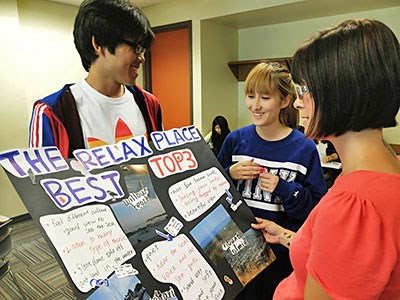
349,246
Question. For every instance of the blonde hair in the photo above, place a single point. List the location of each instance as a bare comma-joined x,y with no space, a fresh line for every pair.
265,78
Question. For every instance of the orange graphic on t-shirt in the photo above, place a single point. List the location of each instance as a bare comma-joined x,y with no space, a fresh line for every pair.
122,132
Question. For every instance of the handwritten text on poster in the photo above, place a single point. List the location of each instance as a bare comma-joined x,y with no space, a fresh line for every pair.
195,195
89,241
180,263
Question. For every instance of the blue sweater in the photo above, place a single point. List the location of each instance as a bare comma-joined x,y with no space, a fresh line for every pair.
294,159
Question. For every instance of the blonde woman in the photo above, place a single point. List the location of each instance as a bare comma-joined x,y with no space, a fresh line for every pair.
277,170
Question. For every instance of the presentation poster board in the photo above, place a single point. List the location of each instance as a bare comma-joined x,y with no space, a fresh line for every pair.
141,220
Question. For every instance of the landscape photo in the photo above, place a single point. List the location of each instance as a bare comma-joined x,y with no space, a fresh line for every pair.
141,212
127,288
247,253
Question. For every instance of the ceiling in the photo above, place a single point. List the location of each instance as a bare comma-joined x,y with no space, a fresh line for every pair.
295,11
140,3
302,10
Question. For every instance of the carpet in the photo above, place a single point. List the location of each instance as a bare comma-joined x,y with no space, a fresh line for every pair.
34,266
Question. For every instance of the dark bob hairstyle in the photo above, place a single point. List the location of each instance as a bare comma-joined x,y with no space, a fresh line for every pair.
353,73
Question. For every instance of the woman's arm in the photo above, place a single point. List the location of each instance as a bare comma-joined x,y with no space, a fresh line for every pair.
331,157
314,290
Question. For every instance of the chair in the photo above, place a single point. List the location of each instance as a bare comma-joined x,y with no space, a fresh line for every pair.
5,248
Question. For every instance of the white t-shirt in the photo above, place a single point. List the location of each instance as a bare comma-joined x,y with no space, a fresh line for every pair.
321,147
106,120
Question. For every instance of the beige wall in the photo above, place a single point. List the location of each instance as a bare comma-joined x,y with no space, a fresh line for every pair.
49,51
218,46
13,114
37,56
291,35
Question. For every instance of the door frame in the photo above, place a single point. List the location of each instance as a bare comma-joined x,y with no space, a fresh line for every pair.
147,77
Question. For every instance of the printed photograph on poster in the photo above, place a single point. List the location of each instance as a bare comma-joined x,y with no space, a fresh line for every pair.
247,253
141,213
128,288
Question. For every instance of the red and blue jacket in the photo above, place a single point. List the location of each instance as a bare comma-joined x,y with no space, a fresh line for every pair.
55,119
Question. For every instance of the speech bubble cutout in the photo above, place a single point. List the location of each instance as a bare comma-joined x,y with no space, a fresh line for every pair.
174,226
180,263
89,241
195,195
125,271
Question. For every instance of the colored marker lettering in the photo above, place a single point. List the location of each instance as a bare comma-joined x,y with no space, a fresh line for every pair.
90,243
33,161
174,162
108,155
179,262
77,191
195,195
175,137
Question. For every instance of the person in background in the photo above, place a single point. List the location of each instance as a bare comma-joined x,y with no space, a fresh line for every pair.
111,37
276,169
220,129
330,152
330,155
349,246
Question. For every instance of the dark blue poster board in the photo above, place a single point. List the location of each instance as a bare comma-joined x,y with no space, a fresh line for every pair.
157,220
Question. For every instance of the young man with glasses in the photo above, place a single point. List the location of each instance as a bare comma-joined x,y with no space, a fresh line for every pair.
111,37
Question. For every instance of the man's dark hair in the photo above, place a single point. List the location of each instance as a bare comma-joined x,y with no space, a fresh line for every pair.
109,22
352,71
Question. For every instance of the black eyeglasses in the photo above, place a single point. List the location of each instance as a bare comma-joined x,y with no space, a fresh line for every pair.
137,48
